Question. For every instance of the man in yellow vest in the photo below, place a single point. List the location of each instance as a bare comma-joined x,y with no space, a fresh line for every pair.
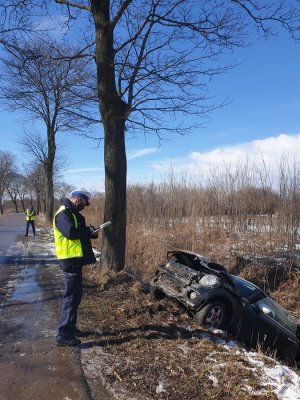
30,217
73,250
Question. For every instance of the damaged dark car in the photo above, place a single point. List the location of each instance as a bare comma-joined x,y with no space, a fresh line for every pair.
224,301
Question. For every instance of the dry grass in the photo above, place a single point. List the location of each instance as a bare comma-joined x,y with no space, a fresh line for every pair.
154,350
225,224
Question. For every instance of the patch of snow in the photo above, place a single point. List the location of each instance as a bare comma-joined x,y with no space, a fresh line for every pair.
284,381
160,388
214,380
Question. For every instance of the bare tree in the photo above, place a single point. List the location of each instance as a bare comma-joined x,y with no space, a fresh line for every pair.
16,188
14,17
50,90
22,20
36,185
7,168
154,59
62,190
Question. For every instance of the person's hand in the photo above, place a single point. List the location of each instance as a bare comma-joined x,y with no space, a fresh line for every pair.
91,230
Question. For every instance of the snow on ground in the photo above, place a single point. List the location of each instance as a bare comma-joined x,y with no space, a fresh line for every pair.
285,383
278,378
282,380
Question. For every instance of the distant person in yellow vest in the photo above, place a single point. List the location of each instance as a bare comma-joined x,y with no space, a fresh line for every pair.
73,250
30,217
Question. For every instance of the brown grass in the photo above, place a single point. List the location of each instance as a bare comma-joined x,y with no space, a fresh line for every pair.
154,350
226,221
146,343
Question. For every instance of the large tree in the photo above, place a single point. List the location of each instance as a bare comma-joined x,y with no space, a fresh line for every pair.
39,82
154,59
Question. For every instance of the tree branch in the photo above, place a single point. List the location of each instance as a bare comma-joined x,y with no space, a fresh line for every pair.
75,5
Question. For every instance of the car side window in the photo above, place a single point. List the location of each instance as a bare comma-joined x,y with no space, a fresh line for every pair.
273,310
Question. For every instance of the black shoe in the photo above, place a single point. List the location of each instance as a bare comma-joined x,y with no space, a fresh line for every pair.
67,341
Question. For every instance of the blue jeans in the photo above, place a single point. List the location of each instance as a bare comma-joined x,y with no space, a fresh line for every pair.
71,300
27,227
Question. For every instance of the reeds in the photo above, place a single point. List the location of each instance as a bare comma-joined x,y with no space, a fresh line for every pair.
241,212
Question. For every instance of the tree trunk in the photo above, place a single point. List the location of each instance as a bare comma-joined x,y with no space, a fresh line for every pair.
49,174
38,204
49,197
22,202
113,113
14,200
114,237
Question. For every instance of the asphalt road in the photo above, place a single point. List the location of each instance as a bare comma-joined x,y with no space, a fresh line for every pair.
32,366
11,225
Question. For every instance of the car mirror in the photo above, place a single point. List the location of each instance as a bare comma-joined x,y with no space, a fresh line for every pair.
263,308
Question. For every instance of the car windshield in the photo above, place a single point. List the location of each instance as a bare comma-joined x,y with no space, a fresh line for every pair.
246,288
274,310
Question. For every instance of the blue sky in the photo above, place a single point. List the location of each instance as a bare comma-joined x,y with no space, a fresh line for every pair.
262,119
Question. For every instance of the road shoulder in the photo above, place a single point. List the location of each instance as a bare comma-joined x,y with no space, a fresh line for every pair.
32,366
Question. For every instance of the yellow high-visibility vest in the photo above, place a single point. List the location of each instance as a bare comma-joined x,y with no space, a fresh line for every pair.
30,215
66,248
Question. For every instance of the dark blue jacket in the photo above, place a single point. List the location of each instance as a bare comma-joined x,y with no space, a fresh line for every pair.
65,224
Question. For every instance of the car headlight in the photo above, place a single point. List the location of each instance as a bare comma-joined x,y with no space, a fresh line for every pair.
193,295
211,281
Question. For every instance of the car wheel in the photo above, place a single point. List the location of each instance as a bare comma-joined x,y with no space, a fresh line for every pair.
213,315
156,293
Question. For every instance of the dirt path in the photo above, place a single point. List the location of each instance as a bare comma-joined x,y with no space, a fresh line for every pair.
32,366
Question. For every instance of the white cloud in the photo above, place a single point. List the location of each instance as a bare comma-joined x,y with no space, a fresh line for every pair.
270,151
91,184
90,178
82,170
142,152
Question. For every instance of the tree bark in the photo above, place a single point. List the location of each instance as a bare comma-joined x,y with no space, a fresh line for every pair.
49,197
49,174
114,237
113,114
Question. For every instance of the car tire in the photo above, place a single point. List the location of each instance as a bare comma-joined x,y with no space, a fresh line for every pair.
156,293
212,315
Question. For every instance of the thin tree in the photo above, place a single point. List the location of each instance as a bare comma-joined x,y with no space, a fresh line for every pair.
51,90
62,190
36,185
7,168
16,188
